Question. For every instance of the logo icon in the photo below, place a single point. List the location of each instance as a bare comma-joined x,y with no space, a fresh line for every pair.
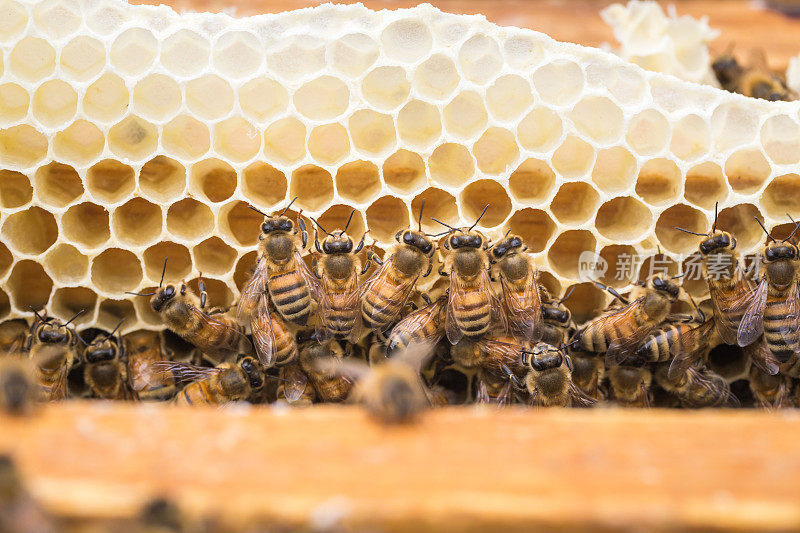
591,266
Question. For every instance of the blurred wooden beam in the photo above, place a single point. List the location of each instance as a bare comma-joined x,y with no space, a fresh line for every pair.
463,469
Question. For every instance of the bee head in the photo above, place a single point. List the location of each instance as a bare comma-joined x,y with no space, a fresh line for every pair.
277,223
416,239
459,239
508,243
53,333
716,242
543,357
726,68
776,251
102,349
252,371
337,242
164,295
665,285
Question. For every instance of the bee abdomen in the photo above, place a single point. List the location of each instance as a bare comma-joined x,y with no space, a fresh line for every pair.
289,293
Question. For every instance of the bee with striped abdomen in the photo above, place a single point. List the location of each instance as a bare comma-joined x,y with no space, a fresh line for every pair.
225,383
274,343
423,326
697,387
521,300
387,291
280,270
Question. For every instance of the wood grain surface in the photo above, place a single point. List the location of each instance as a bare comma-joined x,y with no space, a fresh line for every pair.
462,469
741,22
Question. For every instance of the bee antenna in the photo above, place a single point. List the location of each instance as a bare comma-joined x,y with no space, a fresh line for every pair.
140,293
443,224
566,296
163,271
288,206
716,214
438,234
82,341
679,275
36,313
765,230
115,329
421,207
349,219
319,226
479,218
260,211
796,226
691,232
506,235
76,315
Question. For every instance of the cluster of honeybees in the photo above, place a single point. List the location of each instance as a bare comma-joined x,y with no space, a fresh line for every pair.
755,79
490,334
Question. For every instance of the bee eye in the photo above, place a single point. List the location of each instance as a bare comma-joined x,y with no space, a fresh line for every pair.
516,242
265,228
408,238
286,225
169,292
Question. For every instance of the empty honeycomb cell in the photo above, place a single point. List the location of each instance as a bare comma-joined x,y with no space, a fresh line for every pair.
186,137
682,216
110,181
747,170
238,54
236,139
145,313
659,181
372,132
14,102
133,138
260,99
534,226
740,221
32,59
300,56
54,103
436,201
157,97
575,203
329,143
780,232
83,58
264,184
82,142
15,189
30,232
564,254
691,138
549,282
240,223
5,304
406,40
620,260
57,19
162,179
137,222
86,224
133,51
614,169
244,269
335,218
477,195
353,54
323,98
780,138
598,118
586,301
782,196
106,99
436,77
115,271
693,280
508,97
66,264
648,132
111,311
532,181
213,256
313,186
480,59
68,301
495,151
285,141
465,115
451,164
419,123
540,130
6,259
28,285
385,217
705,184
733,125
573,158
219,295
212,179
386,87
404,172
559,82
358,181
22,146
13,21
185,53
623,219
179,262
189,219
209,97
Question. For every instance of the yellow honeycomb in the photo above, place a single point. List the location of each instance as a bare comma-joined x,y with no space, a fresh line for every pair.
129,134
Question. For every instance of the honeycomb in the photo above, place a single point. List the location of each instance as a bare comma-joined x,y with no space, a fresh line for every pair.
131,134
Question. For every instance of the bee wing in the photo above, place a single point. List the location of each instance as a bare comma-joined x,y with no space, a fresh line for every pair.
524,309
717,387
482,394
623,347
499,353
183,372
314,285
790,330
727,304
686,350
762,357
579,397
415,324
263,333
295,384
378,281
752,325
254,289
353,304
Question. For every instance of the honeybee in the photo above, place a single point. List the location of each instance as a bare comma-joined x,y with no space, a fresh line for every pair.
52,348
774,305
295,387
757,80
770,391
521,301
620,332
422,327
588,371
19,512
12,335
105,367
225,383
697,387
182,311
557,321
472,304
280,269
387,291
549,379
496,363
143,349
17,385
274,343
339,312
329,386
629,385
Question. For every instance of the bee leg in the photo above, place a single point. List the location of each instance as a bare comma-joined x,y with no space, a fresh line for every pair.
366,267
203,293
426,298
314,265
612,292
361,243
316,242
375,258
430,267
441,271
303,230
